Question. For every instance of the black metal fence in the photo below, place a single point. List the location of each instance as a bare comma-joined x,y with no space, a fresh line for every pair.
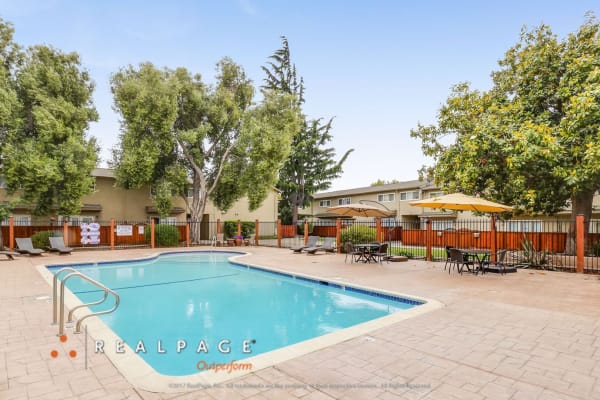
547,244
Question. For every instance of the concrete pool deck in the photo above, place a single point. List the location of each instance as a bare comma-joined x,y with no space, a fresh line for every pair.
529,335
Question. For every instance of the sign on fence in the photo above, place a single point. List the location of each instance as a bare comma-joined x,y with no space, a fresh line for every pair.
124,230
90,233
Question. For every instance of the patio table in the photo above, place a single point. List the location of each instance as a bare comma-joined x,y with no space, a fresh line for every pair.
478,256
366,252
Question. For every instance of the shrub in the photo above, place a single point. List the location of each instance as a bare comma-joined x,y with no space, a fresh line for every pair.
40,239
230,228
358,234
164,235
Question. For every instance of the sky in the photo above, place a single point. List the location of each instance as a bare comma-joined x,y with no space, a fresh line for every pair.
378,68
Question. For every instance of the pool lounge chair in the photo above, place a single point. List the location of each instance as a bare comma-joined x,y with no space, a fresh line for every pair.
9,254
327,246
25,246
57,244
312,242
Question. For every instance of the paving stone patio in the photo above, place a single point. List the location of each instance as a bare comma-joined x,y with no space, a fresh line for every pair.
530,335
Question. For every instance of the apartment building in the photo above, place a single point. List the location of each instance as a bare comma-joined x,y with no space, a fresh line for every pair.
109,201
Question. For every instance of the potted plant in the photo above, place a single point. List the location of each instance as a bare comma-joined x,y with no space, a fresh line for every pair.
238,240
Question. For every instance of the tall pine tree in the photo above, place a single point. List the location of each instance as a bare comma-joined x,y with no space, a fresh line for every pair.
311,166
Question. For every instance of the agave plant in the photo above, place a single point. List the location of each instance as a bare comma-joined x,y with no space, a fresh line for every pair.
531,257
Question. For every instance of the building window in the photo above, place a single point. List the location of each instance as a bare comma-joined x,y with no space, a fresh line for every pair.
344,200
190,192
408,196
388,222
435,194
325,203
523,226
387,197
76,220
20,220
3,184
168,220
441,225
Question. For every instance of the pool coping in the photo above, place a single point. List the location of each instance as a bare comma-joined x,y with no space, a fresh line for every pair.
141,375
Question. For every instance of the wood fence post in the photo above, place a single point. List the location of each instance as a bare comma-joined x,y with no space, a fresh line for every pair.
239,227
428,233
256,225
279,233
152,233
378,235
112,233
218,226
187,234
493,238
305,232
338,234
580,243
11,232
66,232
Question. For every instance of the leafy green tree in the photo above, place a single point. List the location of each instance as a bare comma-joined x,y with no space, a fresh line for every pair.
179,133
381,182
531,140
311,165
45,111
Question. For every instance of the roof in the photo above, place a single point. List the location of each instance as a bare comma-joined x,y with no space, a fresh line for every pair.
390,187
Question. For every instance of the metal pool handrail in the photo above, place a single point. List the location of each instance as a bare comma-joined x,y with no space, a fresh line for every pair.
73,273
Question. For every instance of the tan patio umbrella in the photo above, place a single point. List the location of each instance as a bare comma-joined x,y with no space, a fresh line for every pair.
459,201
360,210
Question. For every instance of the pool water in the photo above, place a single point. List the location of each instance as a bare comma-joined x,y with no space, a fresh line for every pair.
200,299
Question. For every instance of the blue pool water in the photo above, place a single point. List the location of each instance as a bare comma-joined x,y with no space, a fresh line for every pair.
201,299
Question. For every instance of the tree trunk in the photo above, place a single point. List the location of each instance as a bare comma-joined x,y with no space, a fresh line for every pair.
197,210
581,204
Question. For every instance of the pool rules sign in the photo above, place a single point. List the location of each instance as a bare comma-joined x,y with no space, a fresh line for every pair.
124,230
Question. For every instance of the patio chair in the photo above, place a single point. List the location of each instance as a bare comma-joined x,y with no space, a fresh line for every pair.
458,259
312,242
499,265
327,247
25,246
57,244
352,252
448,259
381,253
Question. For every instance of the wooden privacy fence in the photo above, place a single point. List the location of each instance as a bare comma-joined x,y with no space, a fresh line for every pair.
550,241
288,231
135,234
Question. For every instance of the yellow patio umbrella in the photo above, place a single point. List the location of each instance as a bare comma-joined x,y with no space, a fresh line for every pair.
460,201
360,210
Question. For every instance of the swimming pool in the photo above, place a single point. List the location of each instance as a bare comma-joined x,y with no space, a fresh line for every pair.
195,309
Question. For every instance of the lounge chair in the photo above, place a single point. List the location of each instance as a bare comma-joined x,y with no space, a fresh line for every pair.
9,254
327,246
57,244
312,242
25,246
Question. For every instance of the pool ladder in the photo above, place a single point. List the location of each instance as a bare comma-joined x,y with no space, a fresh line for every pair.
58,300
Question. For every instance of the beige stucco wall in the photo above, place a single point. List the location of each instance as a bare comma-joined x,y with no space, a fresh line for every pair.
130,205
266,212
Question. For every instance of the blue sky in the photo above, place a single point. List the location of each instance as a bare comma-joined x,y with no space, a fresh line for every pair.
378,67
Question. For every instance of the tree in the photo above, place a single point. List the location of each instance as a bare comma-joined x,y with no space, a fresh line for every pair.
45,112
311,166
531,140
180,133
380,182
